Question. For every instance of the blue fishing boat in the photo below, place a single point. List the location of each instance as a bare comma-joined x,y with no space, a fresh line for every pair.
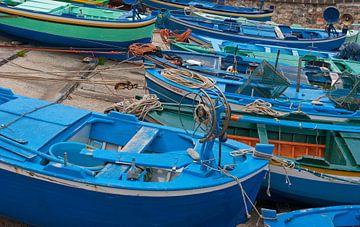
336,216
210,7
314,67
313,74
64,24
63,166
230,30
219,65
226,46
311,102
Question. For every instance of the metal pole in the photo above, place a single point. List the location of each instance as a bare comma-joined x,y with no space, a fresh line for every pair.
277,58
298,75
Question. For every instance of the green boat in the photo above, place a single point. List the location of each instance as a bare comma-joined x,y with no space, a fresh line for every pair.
323,158
65,24
270,54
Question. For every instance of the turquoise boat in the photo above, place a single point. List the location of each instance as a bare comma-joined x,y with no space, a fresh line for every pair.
65,24
337,216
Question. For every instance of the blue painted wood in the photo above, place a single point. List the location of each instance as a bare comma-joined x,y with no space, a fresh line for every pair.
322,193
161,160
308,39
325,216
137,144
67,190
290,101
255,14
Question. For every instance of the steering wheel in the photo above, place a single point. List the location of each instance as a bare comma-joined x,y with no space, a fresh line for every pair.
208,108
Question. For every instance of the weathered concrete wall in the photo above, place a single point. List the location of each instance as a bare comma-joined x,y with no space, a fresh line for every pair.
305,12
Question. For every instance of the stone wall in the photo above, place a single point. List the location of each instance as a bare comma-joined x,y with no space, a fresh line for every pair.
305,12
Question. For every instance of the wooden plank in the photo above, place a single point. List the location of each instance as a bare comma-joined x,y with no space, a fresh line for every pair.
352,141
141,140
159,160
262,133
136,144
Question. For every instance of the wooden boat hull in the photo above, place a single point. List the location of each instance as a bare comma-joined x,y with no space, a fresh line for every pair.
285,184
70,32
48,201
255,15
323,216
173,93
334,43
52,175
303,187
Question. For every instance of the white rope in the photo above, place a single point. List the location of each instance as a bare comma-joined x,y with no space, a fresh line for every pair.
262,107
188,78
140,108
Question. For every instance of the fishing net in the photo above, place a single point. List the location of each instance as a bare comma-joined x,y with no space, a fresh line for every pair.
347,98
350,50
265,81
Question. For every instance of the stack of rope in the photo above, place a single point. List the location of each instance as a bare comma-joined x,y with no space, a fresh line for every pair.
261,107
140,108
188,78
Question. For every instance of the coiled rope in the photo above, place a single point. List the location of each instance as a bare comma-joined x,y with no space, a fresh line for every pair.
140,108
188,78
262,107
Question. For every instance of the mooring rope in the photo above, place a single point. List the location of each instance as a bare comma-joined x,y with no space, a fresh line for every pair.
140,108
188,78
287,164
262,107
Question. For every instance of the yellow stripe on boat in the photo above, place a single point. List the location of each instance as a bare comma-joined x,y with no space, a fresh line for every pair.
76,21
328,171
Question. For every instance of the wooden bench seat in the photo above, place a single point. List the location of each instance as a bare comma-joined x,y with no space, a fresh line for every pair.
137,144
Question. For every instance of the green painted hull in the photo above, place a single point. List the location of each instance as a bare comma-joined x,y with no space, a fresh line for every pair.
76,31
71,25
338,153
